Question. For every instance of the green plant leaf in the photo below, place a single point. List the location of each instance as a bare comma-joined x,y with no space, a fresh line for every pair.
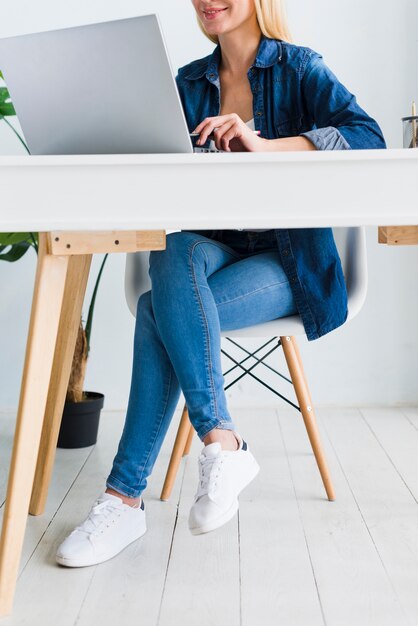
1,75
15,252
4,94
11,238
7,108
35,241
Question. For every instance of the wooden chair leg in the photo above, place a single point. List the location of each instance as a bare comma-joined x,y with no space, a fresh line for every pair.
294,363
180,443
47,303
189,439
74,292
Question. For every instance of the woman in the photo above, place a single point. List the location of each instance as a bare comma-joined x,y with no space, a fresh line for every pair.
208,281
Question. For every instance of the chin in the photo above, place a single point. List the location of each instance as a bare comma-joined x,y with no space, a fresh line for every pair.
216,30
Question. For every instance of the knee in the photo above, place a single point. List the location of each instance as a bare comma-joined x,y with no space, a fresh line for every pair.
176,254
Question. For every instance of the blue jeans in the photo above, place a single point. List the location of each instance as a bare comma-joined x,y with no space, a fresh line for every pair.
202,283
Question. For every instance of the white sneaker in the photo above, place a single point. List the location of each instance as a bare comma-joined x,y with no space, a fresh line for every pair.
223,474
110,526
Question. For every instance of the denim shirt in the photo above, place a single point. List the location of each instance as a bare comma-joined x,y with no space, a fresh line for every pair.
294,93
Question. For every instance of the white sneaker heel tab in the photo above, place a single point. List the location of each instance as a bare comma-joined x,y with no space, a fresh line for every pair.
211,449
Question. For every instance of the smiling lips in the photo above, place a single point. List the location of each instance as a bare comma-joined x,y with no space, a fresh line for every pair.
211,14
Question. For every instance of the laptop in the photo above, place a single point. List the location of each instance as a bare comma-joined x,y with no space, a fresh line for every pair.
105,88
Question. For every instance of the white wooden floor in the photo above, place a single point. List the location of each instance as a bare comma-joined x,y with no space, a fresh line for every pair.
289,557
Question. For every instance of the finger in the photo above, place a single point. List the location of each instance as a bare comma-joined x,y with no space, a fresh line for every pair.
206,131
209,130
220,118
230,134
220,133
230,131
201,125
212,123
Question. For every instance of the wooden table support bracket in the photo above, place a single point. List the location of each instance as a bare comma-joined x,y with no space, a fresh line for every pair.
398,235
77,242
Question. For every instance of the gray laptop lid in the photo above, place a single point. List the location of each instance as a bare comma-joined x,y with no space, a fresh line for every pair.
104,88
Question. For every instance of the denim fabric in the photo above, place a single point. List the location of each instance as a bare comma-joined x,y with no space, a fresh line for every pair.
328,138
294,93
202,283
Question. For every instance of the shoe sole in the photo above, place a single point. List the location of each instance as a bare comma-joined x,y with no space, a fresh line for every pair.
229,514
68,562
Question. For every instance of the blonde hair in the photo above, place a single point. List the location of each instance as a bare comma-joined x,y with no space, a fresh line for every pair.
271,18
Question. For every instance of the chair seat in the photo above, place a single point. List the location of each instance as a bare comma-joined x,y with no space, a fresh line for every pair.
288,326
285,326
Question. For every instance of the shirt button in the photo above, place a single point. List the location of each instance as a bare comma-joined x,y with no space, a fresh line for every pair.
294,279
259,113
211,75
286,252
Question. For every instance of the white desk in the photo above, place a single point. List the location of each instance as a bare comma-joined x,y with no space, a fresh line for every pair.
202,191
129,201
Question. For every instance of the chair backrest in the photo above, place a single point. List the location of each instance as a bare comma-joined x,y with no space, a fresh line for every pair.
351,245
137,280
352,248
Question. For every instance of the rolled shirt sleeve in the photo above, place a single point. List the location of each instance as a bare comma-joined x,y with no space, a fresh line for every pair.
328,138
341,124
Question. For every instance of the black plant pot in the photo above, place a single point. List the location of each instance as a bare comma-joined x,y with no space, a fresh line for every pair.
80,421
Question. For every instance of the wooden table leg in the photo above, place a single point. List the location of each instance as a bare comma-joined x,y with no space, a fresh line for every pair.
51,294
74,292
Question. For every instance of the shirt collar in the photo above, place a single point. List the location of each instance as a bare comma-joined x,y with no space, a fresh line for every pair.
269,52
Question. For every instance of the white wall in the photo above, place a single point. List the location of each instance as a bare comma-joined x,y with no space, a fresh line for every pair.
371,360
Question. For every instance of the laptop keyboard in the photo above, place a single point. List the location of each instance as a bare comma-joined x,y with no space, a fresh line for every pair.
212,148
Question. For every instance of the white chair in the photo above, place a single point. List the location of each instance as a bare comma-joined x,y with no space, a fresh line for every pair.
351,245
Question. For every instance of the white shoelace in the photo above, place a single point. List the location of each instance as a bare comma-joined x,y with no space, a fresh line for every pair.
209,467
100,513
